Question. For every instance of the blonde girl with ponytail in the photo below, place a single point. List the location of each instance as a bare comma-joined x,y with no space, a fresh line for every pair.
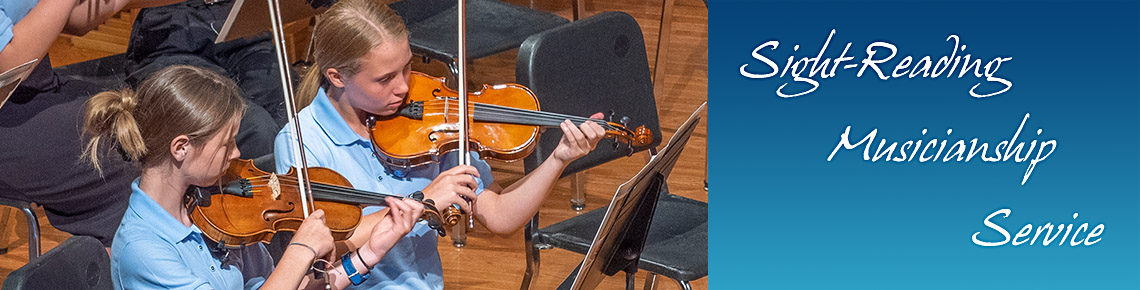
362,63
179,128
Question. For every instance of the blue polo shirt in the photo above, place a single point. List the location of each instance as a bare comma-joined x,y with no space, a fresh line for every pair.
153,250
12,11
413,263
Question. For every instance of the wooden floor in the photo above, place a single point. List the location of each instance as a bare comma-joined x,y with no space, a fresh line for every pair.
497,262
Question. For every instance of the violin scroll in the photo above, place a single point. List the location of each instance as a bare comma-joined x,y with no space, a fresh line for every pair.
436,220
633,140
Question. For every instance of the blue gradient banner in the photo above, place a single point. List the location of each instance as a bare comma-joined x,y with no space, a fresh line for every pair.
865,144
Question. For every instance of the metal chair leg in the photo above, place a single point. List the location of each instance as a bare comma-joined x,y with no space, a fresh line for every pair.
577,193
454,67
650,281
630,280
663,36
532,253
33,233
684,285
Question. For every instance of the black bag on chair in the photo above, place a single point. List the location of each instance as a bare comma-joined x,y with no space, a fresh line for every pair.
81,262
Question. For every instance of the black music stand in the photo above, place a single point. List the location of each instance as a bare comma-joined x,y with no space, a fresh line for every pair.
621,236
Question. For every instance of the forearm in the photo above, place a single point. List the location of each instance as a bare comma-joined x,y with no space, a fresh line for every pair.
34,34
339,278
89,14
291,270
364,228
507,211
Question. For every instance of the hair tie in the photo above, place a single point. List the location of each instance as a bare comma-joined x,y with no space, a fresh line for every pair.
123,153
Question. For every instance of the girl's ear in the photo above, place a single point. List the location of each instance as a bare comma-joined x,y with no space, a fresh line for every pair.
334,77
179,147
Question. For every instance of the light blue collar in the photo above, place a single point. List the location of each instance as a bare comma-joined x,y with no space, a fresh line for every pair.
330,121
166,226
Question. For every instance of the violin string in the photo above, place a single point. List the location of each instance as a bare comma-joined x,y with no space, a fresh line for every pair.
553,118
484,106
540,113
323,193
292,181
549,118
316,187
497,113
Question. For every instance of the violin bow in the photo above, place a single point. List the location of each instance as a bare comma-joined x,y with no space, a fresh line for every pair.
304,185
464,146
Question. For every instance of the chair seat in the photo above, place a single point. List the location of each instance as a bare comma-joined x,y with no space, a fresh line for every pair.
108,72
680,225
492,27
80,262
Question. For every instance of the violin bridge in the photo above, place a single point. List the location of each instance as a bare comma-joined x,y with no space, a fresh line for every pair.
275,185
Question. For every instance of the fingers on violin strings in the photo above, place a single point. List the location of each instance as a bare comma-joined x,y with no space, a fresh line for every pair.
598,116
397,212
592,130
417,208
408,215
394,206
570,131
578,137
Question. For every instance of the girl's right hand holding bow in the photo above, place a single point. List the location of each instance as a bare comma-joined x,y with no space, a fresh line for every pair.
314,235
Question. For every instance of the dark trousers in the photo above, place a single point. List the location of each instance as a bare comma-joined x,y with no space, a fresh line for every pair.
40,146
184,33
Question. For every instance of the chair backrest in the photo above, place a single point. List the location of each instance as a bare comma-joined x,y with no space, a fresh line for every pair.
590,65
81,262
413,11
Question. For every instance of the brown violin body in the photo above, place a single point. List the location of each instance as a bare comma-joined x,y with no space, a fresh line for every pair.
251,205
504,121
411,142
236,220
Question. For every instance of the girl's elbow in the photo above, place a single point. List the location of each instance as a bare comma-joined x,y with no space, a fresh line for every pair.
502,230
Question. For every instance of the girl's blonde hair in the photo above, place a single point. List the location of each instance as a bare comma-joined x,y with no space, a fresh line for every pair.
345,34
177,100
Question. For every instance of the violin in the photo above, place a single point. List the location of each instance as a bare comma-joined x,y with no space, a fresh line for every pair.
251,205
504,121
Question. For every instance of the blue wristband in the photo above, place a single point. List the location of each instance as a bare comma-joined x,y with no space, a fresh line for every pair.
353,275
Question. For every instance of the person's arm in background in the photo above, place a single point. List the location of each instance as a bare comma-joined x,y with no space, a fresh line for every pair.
89,14
32,36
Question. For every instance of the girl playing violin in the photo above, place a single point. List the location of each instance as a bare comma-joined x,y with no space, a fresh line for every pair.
180,128
362,66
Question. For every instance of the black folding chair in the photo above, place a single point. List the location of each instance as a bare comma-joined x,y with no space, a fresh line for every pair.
578,69
33,224
80,262
492,27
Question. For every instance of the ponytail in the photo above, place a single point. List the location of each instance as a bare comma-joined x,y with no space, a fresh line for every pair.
110,114
309,86
177,100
